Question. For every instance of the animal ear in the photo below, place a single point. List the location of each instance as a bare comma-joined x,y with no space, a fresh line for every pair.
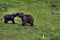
17,13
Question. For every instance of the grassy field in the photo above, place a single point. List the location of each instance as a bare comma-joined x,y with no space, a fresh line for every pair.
46,15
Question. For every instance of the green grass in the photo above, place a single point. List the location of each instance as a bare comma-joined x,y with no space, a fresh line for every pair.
46,24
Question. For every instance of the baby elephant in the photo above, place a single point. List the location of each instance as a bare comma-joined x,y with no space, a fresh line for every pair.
26,19
9,17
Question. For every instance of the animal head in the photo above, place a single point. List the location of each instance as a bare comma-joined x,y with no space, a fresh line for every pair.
20,14
14,15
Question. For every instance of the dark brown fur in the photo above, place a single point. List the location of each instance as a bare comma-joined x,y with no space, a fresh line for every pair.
9,17
26,19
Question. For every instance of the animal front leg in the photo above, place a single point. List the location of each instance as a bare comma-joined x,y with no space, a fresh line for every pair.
13,21
23,23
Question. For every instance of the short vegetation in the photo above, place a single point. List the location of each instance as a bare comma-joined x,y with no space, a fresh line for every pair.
46,15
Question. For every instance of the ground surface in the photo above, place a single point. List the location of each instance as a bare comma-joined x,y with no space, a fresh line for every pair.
46,15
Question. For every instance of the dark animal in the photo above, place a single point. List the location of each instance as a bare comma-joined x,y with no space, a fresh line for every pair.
26,19
9,17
